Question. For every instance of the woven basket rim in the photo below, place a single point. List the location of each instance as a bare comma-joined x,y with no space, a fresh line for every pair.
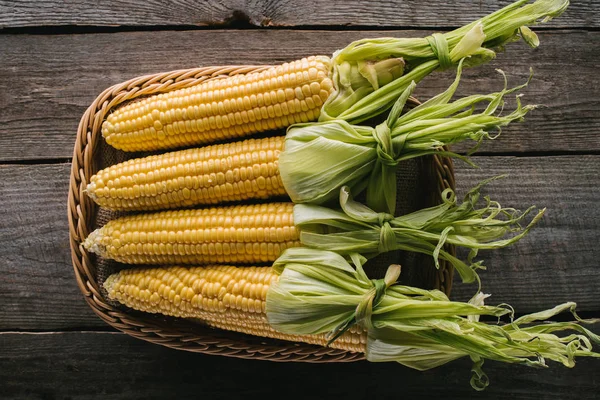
172,332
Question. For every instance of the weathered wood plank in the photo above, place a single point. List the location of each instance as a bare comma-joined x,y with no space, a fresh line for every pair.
89,365
557,262
37,288
28,13
559,253
47,82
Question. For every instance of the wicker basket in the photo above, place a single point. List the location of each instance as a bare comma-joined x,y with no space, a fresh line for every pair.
430,174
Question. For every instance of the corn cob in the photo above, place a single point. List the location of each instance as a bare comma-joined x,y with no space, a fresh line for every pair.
223,108
234,234
355,84
209,175
224,297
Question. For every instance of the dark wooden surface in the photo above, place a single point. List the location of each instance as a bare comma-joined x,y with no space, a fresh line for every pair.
281,13
56,57
92,365
38,123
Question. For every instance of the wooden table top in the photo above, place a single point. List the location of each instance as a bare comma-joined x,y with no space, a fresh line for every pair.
56,57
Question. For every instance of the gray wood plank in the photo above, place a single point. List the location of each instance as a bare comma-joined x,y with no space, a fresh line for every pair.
560,252
38,288
557,262
28,13
47,82
89,365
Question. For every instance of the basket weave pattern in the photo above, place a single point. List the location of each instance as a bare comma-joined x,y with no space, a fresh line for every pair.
172,332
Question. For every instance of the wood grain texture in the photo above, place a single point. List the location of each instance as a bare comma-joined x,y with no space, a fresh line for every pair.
28,13
557,262
37,288
47,82
561,252
52,365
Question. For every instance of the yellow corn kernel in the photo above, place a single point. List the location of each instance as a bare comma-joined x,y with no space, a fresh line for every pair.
214,295
220,109
209,175
257,325
240,234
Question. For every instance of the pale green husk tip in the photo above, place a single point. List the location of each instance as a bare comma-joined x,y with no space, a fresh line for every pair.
321,292
358,229
478,42
320,158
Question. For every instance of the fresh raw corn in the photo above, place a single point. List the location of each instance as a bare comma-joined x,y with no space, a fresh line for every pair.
234,234
357,83
224,297
209,175
184,292
223,108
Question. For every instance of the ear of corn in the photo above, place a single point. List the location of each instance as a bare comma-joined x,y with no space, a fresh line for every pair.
223,108
240,234
224,297
361,81
220,173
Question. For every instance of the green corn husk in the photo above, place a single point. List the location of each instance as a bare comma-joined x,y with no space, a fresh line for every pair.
358,229
368,74
320,158
320,292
